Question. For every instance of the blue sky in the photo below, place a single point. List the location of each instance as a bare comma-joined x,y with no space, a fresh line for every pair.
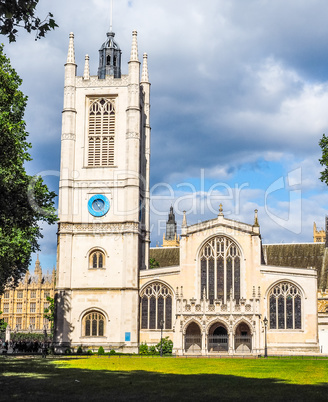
239,101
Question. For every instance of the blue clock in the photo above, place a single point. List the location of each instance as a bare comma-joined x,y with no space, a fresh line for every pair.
98,205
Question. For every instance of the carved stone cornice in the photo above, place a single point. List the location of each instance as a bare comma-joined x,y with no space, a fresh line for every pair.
109,228
108,81
133,135
68,137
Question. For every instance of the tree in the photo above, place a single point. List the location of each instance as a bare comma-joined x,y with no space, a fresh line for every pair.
21,14
324,160
25,201
49,313
3,324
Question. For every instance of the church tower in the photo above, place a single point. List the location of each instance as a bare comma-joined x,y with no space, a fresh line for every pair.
103,231
170,238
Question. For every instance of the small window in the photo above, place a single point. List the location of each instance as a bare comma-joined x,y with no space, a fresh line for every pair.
96,260
19,294
33,294
46,294
6,295
32,307
6,308
19,308
32,322
19,322
93,324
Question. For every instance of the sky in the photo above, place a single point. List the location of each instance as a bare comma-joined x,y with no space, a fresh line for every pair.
239,100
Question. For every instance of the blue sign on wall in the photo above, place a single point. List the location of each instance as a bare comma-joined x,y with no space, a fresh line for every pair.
127,336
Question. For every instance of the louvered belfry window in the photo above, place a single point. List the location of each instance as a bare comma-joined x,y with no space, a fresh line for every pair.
101,132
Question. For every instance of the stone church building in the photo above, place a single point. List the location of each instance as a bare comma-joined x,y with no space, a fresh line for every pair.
221,296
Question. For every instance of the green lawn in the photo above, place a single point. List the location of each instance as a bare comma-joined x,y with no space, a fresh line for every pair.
135,378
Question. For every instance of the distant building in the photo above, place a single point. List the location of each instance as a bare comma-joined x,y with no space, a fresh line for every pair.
319,236
23,307
170,238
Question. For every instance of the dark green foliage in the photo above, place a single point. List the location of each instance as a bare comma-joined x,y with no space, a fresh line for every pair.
21,14
3,324
324,160
89,352
68,351
153,263
79,350
101,351
49,313
24,200
143,349
112,352
167,346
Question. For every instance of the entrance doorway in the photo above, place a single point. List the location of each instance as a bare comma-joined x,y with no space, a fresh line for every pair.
218,339
193,339
243,339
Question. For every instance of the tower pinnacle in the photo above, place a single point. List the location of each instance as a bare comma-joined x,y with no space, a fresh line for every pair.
134,47
144,76
71,53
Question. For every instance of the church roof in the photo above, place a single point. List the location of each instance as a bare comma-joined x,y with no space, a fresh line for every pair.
167,257
300,255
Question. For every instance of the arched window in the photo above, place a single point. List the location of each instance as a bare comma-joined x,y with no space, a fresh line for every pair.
96,260
93,324
156,306
285,301
220,269
101,132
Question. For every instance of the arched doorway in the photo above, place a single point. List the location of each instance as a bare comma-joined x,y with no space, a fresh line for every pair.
193,339
243,338
218,339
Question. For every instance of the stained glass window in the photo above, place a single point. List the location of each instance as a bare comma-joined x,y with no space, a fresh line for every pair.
156,306
220,269
285,307
211,279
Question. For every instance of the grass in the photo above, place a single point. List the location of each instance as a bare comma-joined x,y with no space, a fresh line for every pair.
150,379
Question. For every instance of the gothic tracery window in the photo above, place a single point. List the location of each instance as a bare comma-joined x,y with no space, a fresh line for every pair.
93,324
96,259
285,306
156,306
101,132
220,269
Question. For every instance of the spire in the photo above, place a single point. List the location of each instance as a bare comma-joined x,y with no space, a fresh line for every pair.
144,76
184,219
221,210
71,53
256,220
86,74
134,47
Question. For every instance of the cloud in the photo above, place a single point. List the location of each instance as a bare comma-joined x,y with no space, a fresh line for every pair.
238,89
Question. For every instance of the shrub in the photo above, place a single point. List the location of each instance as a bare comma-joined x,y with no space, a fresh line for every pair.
143,349
167,346
101,351
68,351
152,350
89,352
112,352
79,350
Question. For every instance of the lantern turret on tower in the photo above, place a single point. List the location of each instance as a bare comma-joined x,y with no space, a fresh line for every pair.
109,58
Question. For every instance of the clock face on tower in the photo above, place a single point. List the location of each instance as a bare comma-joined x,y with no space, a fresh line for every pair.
98,205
